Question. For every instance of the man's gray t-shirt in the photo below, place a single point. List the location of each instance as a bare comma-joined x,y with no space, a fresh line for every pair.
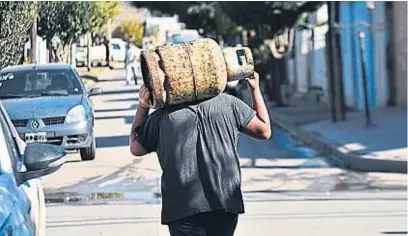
197,149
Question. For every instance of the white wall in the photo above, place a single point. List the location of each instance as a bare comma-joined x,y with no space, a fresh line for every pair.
41,50
315,58
380,56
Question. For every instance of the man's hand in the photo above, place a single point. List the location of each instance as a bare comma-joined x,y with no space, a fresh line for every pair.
254,82
141,115
144,95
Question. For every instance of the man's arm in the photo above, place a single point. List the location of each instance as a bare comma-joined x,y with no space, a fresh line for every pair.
142,113
259,127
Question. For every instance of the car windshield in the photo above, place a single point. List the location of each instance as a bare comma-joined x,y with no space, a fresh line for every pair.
39,83
116,46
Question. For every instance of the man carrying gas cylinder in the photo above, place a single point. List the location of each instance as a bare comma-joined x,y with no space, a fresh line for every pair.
196,144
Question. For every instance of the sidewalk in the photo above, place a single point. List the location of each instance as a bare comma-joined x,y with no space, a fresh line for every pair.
379,148
90,78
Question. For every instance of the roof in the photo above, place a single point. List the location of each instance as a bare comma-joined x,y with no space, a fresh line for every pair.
51,66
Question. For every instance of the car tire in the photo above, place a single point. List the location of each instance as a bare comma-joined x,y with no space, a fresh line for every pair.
89,153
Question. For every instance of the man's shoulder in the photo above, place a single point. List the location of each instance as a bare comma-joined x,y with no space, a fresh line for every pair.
223,101
224,98
157,113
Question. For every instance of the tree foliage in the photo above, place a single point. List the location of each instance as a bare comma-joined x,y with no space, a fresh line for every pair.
71,19
16,19
102,12
269,18
132,27
221,18
207,16
66,20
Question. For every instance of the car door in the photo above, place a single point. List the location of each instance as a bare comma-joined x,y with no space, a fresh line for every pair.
7,189
14,203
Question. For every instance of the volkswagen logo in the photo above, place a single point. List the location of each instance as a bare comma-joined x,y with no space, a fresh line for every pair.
35,124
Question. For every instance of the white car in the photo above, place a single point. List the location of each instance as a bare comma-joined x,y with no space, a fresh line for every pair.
181,36
117,49
97,55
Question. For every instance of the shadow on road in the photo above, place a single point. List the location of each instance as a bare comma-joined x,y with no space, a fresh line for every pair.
118,92
128,119
133,107
395,232
73,161
113,141
135,99
130,178
111,80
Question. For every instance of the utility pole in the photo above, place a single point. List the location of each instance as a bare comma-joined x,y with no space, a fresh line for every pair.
361,37
33,40
311,56
336,88
88,50
330,63
340,101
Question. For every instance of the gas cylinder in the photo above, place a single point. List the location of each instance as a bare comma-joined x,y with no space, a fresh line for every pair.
192,71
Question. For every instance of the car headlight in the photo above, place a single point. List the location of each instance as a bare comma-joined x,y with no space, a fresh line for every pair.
76,114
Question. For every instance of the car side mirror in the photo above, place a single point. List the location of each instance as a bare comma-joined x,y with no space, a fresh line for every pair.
95,91
42,159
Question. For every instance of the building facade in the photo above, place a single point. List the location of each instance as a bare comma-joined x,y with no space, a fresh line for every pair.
385,43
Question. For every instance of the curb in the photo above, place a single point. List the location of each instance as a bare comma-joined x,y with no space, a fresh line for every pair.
90,78
94,76
71,197
344,160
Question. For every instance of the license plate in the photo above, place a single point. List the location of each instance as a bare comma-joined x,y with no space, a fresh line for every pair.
39,137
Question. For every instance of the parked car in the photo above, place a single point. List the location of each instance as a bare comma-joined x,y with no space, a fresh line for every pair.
22,202
181,36
97,54
117,50
49,103
81,56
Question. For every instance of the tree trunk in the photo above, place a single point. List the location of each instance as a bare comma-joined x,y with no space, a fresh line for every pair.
88,51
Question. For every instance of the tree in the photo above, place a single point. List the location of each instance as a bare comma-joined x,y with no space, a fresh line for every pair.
132,27
69,20
221,18
103,12
207,16
65,21
15,21
268,19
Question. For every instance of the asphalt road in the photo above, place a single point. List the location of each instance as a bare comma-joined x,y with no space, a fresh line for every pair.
287,191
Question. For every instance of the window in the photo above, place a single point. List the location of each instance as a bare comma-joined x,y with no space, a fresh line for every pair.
115,46
38,82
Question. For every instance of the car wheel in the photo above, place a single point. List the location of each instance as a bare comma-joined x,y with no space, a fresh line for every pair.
89,153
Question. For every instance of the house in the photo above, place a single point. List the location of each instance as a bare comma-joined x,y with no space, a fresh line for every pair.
385,27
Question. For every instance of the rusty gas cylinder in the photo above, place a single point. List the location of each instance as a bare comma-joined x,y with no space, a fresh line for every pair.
192,71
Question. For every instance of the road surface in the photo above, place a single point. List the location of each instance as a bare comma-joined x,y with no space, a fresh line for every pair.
289,189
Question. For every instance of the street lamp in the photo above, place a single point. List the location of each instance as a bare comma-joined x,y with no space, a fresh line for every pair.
370,5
